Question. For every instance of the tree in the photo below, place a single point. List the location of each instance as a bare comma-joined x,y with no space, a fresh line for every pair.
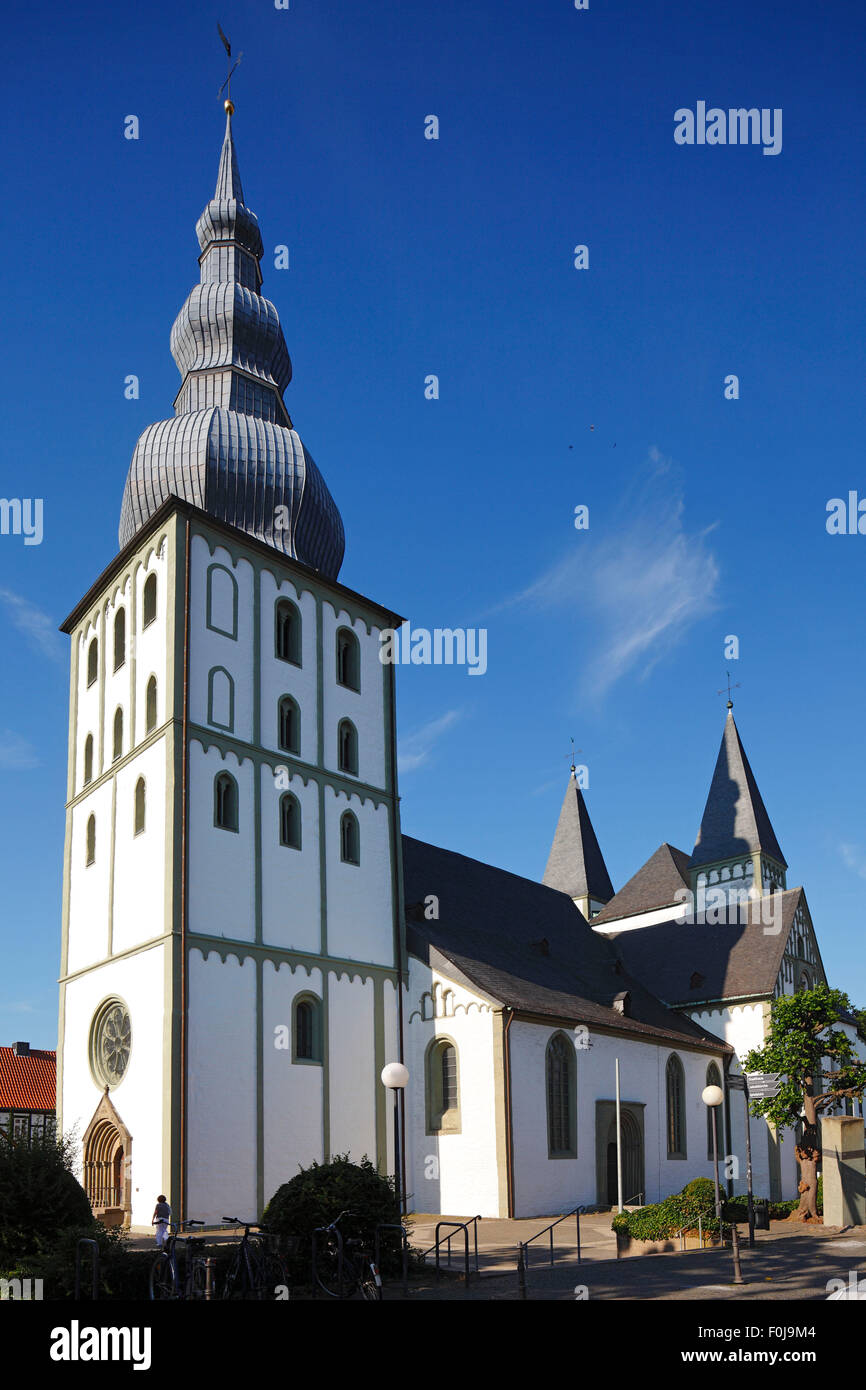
801,1038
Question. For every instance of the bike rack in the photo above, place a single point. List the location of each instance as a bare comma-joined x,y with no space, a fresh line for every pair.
94,1258
338,1234
404,1238
523,1246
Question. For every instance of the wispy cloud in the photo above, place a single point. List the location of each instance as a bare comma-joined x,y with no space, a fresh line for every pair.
414,750
16,754
639,581
37,627
855,859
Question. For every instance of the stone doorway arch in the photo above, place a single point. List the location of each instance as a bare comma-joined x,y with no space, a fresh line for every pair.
108,1165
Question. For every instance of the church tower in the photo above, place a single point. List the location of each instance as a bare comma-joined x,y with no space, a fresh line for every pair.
232,950
576,865
736,846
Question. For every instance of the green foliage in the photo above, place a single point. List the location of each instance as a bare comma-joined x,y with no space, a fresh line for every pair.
682,1211
39,1194
801,1033
317,1195
123,1273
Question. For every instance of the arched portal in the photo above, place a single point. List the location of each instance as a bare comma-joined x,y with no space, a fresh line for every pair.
108,1165
632,1161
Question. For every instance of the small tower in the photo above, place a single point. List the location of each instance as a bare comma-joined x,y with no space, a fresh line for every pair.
736,845
576,865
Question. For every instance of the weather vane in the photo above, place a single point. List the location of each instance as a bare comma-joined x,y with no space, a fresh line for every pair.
573,763
227,85
736,686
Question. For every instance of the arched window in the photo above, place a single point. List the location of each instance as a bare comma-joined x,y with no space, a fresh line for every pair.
676,1103
290,821
90,855
220,699
442,1087
307,1029
287,635
225,792
350,840
348,659
289,725
149,603
119,638
117,750
714,1079
347,747
222,601
139,806
805,982
561,1098
92,662
88,759
150,705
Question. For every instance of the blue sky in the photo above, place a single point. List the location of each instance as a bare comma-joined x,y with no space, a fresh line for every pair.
557,387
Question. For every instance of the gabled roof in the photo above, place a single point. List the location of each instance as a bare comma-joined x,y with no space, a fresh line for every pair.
686,963
527,947
654,885
27,1082
576,865
735,820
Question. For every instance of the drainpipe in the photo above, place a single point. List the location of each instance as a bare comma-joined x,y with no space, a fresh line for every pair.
509,1130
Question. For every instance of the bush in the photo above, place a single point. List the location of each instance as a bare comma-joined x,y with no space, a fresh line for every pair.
123,1273
682,1211
39,1194
317,1195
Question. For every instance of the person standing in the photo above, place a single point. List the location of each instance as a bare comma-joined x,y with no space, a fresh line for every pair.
160,1219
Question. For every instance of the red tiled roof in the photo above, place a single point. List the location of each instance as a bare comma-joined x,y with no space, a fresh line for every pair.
27,1083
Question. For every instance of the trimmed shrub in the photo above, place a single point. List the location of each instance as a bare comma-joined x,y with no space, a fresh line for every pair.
39,1194
317,1195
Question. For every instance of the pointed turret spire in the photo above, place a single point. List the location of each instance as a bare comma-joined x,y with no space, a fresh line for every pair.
232,449
576,865
735,823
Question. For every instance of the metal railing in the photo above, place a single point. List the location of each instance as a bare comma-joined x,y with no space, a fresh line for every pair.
523,1245
446,1240
404,1239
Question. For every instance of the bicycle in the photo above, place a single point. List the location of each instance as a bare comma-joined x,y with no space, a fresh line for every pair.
165,1281
336,1273
256,1269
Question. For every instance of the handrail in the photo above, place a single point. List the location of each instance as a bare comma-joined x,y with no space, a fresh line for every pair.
629,1200
404,1240
523,1246
456,1226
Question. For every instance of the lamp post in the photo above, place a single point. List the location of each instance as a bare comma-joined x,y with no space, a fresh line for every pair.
395,1076
712,1096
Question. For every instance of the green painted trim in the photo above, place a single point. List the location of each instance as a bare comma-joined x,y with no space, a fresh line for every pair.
433,1127
111,858
232,829
216,670
320,683
260,1090
379,1059
100,633
209,602
326,1064
500,1112
257,658
277,955
278,757
323,871
112,771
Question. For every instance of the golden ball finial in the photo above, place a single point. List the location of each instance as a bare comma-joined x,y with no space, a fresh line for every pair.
230,107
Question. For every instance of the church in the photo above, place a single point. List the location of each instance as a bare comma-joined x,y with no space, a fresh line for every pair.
247,936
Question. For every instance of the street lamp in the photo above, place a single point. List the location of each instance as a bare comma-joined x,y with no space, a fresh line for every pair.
395,1077
712,1096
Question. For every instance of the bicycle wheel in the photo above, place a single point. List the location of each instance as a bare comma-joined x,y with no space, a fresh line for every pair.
198,1280
163,1283
235,1281
370,1290
327,1272
274,1275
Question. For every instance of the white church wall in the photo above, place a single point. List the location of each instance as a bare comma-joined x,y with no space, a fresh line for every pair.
545,1186
351,1066
140,858
221,1094
89,703
221,862
673,913
90,884
292,1090
359,896
364,708
279,677
117,682
291,878
231,611
152,641
139,981
452,1173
